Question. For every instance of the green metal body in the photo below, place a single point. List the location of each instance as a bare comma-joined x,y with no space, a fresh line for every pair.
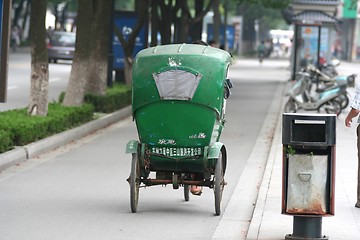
179,134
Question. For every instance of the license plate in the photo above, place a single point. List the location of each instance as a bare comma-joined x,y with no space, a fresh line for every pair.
177,152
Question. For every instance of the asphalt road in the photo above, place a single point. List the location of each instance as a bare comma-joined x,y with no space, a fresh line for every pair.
79,191
19,73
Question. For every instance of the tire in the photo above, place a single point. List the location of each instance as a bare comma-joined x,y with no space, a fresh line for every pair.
219,183
134,182
333,107
344,100
186,192
291,106
52,60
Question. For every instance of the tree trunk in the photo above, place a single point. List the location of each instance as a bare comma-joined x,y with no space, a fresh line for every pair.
197,27
17,12
128,45
154,23
168,16
185,20
97,81
193,28
24,23
217,21
39,61
75,91
128,70
249,34
89,68
225,46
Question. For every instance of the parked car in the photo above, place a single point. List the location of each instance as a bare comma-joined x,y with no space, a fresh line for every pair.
61,45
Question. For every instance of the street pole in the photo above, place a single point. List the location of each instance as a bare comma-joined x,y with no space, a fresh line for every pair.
110,51
257,35
307,228
5,7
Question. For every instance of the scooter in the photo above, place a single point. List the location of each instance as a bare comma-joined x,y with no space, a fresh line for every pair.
322,76
329,68
325,82
300,97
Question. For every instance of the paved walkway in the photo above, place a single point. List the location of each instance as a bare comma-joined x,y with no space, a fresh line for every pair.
268,223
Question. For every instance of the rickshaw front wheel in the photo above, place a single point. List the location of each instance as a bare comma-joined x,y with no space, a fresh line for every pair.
219,183
134,182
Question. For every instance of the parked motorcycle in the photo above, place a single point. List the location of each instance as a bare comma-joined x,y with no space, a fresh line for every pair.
301,97
325,82
321,75
329,68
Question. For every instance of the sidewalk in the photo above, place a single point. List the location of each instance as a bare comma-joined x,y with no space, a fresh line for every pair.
268,223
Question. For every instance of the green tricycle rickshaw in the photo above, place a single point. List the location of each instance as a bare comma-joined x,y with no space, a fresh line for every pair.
179,93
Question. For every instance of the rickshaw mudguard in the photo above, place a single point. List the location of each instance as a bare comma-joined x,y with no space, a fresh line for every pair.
215,150
132,146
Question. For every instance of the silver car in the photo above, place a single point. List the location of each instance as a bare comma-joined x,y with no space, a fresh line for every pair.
61,45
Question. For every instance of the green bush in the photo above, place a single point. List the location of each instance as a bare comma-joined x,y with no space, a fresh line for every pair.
5,141
18,128
22,129
116,97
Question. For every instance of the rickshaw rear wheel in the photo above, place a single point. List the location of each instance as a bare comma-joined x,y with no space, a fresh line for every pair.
186,192
134,182
219,183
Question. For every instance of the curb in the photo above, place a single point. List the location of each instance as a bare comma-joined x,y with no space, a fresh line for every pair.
24,153
235,221
255,224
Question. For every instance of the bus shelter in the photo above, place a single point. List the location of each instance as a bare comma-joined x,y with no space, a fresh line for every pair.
313,36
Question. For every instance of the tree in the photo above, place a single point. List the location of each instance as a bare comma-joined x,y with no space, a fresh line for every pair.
187,21
163,16
166,18
154,22
21,10
89,68
39,60
61,9
216,21
17,5
129,44
265,12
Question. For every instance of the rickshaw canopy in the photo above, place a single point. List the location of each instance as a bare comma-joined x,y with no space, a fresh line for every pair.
180,71
178,95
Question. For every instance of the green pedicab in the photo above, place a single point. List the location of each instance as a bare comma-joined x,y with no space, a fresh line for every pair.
178,104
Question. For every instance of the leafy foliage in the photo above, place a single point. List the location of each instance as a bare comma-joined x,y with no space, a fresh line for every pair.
289,150
116,98
17,128
20,128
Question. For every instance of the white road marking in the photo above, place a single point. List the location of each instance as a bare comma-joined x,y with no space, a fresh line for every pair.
54,79
12,87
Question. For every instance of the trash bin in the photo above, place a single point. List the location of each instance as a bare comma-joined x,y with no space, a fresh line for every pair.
308,171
